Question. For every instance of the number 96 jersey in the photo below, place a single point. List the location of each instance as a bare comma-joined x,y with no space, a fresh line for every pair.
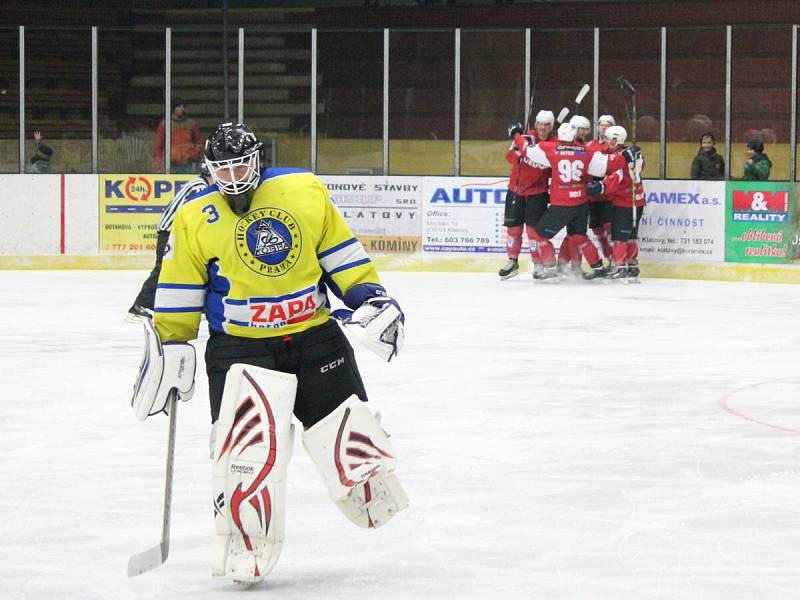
265,273
573,164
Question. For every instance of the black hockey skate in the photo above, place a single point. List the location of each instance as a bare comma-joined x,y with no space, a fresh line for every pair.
546,274
620,273
509,270
598,272
633,272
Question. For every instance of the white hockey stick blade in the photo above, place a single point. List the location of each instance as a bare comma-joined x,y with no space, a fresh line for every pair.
562,115
147,560
582,94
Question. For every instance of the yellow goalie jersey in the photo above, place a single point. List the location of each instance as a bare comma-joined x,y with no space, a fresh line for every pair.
263,274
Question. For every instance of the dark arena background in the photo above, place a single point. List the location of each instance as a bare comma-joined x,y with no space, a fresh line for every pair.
559,438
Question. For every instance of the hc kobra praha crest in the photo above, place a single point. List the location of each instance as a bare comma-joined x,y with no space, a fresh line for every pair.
268,241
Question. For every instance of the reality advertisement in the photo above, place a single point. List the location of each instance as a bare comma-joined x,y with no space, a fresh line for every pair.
130,208
383,212
761,221
683,221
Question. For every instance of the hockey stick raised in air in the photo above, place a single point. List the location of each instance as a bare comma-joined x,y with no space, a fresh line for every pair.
157,555
626,87
578,99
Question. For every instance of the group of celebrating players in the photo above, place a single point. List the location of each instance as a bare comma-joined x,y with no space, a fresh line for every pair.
564,178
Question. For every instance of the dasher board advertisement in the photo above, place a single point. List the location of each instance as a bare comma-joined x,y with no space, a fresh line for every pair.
383,212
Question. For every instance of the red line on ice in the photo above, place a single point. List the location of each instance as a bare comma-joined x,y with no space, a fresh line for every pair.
723,402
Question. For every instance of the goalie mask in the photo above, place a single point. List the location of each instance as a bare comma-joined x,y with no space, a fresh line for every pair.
232,154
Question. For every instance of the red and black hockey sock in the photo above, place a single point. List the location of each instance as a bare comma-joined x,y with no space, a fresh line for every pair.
632,253
546,250
548,253
620,251
603,233
566,251
514,243
536,256
587,249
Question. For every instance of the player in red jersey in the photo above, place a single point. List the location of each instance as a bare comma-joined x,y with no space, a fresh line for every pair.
569,257
572,164
617,187
527,197
600,207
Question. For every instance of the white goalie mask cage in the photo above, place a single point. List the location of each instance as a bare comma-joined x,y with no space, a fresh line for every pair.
236,175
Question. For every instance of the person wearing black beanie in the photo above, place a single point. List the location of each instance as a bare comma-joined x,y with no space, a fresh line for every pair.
758,165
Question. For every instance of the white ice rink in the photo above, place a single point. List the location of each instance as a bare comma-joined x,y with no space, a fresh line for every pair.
556,442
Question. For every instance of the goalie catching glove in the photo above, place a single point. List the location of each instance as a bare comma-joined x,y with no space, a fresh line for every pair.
164,367
374,319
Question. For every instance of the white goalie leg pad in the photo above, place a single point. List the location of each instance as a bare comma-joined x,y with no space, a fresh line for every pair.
254,440
356,460
164,368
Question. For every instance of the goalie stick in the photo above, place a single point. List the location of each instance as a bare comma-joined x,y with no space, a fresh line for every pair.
157,555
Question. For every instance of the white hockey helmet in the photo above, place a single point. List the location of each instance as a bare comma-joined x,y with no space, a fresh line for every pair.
606,119
580,122
566,132
545,116
616,132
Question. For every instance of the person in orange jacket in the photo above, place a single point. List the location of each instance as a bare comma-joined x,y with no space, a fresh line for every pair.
185,142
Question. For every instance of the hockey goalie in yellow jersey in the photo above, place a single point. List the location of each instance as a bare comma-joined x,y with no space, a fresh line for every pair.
259,252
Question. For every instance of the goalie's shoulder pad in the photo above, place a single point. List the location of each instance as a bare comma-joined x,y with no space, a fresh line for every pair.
164,367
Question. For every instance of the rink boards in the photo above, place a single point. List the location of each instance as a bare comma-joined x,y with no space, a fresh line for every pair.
716,230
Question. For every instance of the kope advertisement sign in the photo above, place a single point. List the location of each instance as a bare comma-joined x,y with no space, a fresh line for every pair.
130,208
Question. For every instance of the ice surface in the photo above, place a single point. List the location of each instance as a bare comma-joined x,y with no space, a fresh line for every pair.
556,442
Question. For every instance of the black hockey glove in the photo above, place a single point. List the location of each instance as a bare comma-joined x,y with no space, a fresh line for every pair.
595,188
515,128
632,154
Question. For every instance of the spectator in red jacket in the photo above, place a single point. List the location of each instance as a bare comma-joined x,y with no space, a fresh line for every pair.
185,142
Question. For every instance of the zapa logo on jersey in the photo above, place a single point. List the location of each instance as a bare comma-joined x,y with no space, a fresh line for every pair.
268,241
141,189
762,206
471,193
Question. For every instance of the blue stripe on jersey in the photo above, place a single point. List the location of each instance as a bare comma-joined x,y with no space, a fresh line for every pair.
331,284
204,192
239,323
363,261
179,309
337,247
218,288
182,286
278,172
273,299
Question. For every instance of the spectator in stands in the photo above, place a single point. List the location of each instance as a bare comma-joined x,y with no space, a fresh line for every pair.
185,142
40,163
758,164
708,164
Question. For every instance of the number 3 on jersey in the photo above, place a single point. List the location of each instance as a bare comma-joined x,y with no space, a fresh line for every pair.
211,211
570,171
